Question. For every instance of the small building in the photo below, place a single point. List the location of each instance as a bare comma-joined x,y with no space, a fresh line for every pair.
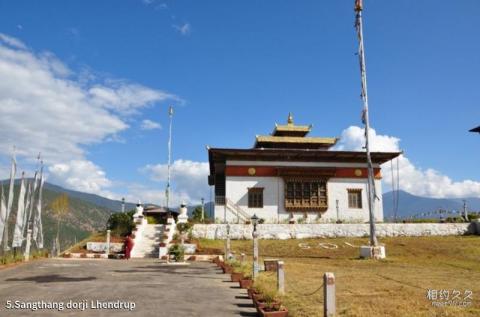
288,176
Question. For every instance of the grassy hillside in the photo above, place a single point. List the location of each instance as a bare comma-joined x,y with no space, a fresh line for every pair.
82,219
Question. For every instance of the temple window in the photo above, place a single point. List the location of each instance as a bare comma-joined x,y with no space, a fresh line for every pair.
255,197
306,194
354,198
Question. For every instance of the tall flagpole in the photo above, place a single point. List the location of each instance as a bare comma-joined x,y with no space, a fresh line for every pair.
167,191
363,71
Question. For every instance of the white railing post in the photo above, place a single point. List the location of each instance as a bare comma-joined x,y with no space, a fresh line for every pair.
329,294
255,255
280,278
108,243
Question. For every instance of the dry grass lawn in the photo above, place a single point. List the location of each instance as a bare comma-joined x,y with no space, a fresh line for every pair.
396,286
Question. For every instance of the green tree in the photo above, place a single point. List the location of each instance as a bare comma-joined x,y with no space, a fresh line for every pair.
197,214
121,223
59,208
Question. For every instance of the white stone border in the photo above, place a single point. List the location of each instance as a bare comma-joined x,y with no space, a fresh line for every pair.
301,231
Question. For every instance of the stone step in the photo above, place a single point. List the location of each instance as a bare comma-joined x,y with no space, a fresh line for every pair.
149,242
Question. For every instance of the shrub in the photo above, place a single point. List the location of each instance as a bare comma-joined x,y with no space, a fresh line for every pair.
184,227
177,252
121,223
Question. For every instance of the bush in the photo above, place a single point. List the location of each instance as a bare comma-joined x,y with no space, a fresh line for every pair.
184,227
177,252
121,223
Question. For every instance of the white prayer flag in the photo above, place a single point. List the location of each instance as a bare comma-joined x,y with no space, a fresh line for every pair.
28,197
9,202
18,232
3,213
37,222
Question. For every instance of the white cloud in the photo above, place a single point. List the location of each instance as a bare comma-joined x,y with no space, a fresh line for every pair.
45,107
11,41
188,178
184,29
126,98
418,181
73,174
150,125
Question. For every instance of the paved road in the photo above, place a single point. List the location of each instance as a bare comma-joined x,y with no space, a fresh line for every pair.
196,290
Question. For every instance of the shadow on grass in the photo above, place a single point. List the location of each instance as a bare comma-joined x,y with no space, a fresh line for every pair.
53,278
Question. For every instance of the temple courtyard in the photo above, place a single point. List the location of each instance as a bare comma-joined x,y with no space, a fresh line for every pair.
195,290
418,275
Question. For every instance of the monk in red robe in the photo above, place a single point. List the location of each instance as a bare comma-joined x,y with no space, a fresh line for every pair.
128,244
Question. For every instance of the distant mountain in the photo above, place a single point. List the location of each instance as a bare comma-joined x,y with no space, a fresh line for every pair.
113,205
410,205
82,219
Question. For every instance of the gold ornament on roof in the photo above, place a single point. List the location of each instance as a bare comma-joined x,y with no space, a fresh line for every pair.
290,119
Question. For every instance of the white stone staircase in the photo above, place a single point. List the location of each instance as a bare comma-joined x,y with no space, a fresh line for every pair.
148,240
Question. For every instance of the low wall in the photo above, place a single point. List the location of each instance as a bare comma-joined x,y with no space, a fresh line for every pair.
300,231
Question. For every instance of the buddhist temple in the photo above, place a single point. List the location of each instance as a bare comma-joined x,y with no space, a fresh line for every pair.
289,176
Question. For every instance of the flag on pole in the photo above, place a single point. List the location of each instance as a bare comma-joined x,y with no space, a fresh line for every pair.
28,196
3,213
18,232
13,171
37,221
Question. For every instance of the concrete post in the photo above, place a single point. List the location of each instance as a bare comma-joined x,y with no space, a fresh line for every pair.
27,246
108,243
329,294
280,278
242,258
228,247
255,254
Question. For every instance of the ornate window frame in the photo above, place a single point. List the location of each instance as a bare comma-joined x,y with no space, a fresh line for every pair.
306,193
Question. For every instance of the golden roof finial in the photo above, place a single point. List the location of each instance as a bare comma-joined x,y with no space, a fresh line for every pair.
290,119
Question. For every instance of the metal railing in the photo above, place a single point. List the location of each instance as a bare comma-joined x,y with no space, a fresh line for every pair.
236,210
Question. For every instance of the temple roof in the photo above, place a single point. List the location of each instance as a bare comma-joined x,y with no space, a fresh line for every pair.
477,129
218,156
293,136
285,142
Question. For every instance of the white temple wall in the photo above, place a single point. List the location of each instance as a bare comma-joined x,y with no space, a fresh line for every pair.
273,200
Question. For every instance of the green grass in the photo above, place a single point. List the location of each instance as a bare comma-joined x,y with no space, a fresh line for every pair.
396,286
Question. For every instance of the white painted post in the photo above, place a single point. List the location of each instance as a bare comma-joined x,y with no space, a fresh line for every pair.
255,254
27,246
329,294
227,243
242,257
108,242
280,278
228,247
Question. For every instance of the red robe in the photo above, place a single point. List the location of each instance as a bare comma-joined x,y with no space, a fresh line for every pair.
128,247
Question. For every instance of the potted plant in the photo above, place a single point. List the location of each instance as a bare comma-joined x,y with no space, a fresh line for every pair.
236,276
246,282
239,271
227,269
251,292
268,305
273,311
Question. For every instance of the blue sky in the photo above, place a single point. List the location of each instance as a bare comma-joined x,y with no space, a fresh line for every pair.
233,69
